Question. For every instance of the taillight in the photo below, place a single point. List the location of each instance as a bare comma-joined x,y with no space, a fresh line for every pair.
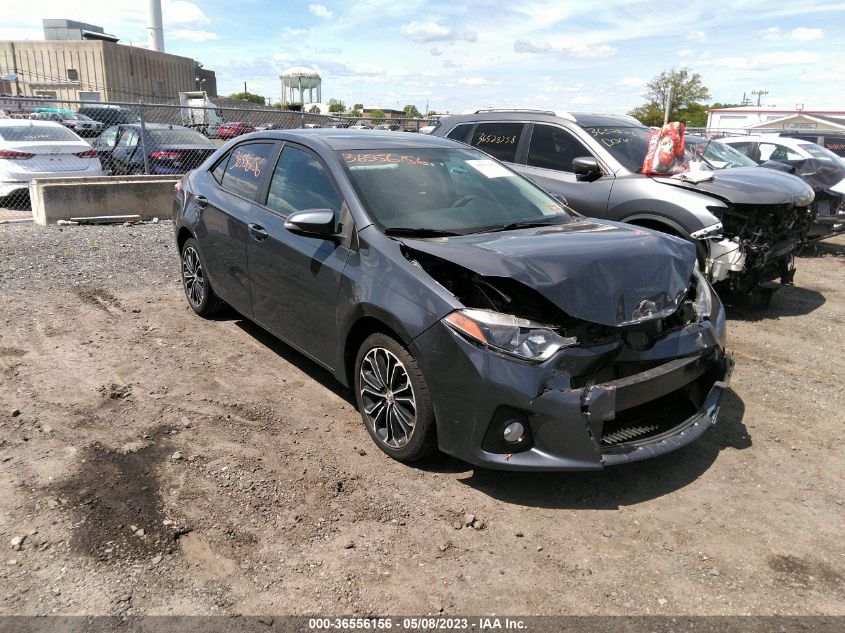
173,155
88,153
13,155
177,188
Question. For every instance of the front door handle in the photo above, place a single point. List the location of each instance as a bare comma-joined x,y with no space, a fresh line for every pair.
201,202
257,232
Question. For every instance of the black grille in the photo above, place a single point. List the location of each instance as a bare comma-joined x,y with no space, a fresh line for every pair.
649,419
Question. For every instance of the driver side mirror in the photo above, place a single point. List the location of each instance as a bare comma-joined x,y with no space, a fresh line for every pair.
586,168
317,222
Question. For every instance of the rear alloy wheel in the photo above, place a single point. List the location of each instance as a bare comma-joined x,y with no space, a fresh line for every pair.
394,399
197,288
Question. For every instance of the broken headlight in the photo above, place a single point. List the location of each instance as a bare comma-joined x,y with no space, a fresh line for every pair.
703,304
509,334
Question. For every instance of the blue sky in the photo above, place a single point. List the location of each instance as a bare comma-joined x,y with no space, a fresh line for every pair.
484,53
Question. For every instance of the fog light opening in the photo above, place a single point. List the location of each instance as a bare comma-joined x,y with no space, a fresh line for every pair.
514,432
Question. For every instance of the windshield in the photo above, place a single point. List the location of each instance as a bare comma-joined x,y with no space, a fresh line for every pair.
716,154
455,191
37,133
178,137
627,144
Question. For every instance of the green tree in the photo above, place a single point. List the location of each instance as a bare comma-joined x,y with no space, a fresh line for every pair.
336,106
249,96
687,91
295,107
411,112
314,109
356,109
377,116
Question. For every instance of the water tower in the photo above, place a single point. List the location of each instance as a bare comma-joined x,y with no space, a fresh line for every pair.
298,80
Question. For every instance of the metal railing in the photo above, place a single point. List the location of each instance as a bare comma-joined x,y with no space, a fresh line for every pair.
80,138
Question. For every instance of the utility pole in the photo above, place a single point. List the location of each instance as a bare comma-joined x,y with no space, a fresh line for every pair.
668,105
759,94
245,92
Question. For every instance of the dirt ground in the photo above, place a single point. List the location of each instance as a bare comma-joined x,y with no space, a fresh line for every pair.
157,463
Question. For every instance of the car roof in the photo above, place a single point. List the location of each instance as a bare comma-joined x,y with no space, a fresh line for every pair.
757,138
584,119
346,139
32,122
592,119
154,126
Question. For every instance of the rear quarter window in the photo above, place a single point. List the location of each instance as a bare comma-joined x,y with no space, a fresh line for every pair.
500,139
244,169
460,132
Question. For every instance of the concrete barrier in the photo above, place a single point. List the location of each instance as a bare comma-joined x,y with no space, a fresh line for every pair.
64,198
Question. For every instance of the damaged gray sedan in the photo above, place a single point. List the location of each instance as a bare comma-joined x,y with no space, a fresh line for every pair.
469,310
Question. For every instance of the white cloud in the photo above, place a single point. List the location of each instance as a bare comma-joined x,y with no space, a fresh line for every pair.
181,13
478,81
192,35
580,51
764,61
588,52
772,34
697,36
321,11
470,36
799,34
289,32
684,52
423,32
806,35
435,52
631,82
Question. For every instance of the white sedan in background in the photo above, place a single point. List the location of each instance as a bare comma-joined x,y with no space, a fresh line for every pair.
41,149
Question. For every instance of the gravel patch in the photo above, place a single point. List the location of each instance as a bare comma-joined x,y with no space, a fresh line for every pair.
114,256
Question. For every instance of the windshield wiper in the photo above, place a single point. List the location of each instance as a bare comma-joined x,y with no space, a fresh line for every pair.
520,225
418,232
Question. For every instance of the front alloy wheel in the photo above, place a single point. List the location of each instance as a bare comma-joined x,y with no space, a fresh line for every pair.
197,288
394,399
389,403
192,276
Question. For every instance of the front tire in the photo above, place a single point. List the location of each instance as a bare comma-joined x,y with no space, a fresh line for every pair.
195,282
394,399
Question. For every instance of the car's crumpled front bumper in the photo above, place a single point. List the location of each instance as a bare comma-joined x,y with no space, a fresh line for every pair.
576,427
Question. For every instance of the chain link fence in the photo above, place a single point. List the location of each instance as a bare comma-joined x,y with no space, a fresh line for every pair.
49,138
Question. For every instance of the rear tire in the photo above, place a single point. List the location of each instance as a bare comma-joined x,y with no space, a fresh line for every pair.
198,290
394,400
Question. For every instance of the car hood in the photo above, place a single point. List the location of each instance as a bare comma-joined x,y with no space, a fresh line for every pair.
750,185
605,273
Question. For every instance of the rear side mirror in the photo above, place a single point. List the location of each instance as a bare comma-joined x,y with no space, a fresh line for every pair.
586,168
312,222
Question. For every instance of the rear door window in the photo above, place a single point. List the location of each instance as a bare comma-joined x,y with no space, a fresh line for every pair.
300,182
747,149
459,133
108,138
776,151
554,148
246,168
129,138
499,139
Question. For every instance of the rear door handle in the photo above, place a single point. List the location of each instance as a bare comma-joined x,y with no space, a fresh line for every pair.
201,202
257,232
